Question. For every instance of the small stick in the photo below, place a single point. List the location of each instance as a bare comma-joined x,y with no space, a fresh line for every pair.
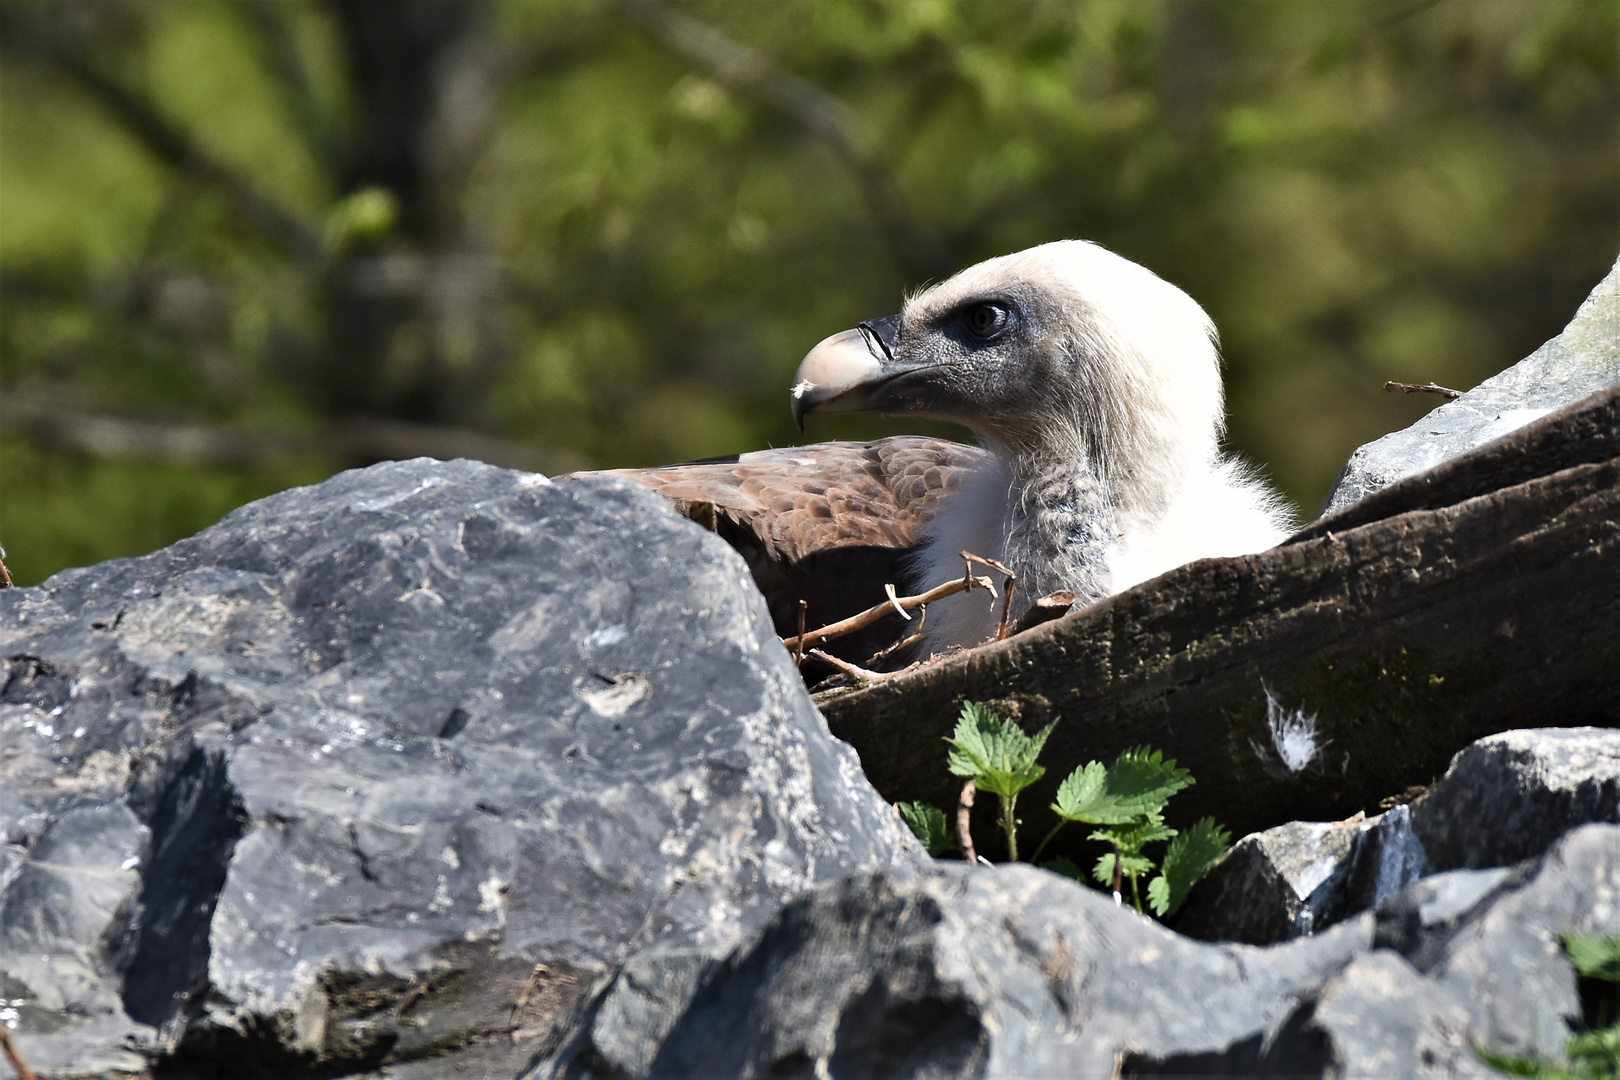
1119,869
878,611
1006,607
1422,388
967,569
964,811
991,563
798,651
901,642
1007,598
890,649
854,671
5,575
23,1071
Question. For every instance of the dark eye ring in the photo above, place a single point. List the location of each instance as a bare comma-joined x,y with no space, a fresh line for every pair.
985,321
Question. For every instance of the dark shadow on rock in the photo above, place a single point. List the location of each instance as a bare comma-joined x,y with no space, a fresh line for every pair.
195,825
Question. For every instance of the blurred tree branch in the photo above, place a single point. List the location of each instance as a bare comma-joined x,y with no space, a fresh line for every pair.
923,252
351,440
282,57
144,120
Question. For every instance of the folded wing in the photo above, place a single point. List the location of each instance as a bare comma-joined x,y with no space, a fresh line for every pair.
829,523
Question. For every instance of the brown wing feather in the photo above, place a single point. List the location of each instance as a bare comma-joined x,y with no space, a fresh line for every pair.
829,524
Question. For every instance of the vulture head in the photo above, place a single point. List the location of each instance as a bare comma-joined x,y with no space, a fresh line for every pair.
1065,352
1096,386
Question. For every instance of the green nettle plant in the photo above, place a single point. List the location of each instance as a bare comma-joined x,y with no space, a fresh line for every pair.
998,757
1592,1054
1125,801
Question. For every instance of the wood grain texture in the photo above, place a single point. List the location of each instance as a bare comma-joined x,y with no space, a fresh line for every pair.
1482,597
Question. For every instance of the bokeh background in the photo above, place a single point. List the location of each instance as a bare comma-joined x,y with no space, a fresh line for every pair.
247,243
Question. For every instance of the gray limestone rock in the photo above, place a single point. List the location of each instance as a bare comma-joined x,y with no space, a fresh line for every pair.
1011,971
1509,796
395,771
1273,885
1504,799
1583,359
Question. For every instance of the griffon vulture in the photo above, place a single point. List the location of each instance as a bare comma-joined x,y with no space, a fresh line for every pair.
1095,388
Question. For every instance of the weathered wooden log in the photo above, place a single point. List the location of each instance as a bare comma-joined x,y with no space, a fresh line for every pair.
1480,596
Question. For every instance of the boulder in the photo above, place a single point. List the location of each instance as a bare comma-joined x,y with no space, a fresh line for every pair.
1013,971
1503,799
394,771
1508,797
1583,359
1274,885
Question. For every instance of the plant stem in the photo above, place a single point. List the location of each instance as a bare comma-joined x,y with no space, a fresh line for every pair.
964,818
1009,825
1119,866
1136,894
1048,840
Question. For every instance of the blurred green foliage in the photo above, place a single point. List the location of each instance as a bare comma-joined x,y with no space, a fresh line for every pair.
630,244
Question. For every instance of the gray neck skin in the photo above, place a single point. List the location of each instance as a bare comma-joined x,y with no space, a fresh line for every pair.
1060,529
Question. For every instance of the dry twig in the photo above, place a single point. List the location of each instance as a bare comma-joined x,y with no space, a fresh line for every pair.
854,671
1422,388
903,642
1007,596
878,611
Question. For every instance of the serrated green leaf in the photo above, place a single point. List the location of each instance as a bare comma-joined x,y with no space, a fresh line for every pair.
1067,868
1143,776
1130,866
1137,785
1083,796
929,825
1187,859
1596,958
995,753
1135,836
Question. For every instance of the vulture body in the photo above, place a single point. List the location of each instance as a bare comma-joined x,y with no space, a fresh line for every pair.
1095,387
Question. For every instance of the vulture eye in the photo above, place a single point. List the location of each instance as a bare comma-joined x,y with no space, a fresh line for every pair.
985,321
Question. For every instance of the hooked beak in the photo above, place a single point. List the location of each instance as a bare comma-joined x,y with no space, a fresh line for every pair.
832,374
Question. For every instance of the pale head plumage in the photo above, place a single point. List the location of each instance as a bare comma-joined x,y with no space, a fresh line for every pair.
1098,385
1112,362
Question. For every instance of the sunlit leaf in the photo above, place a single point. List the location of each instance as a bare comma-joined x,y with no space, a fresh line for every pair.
1187,859
995,753
1137,785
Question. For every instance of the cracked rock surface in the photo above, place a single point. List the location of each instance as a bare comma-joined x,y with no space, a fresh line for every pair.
1014,971
391,771
1504,798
